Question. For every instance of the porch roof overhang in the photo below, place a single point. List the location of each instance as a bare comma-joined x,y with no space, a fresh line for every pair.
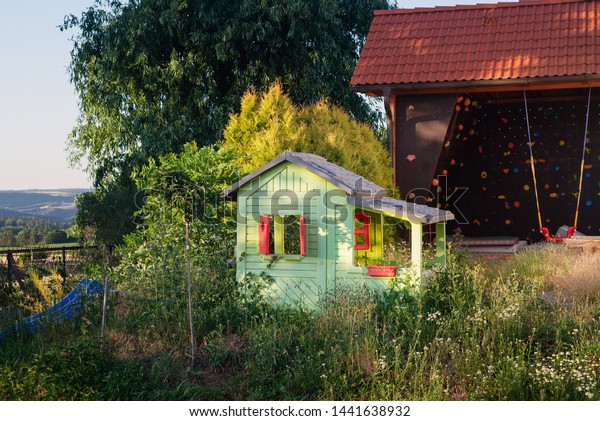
401,209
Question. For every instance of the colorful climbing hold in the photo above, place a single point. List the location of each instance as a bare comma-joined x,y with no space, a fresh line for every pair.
435,182
452,162
471,132
505,170
510,145
546,186
515,170
562,142
507,222
517,204
460,127
501,197
444,172
504,120
526,187
557,168
410,158
484,174
588,203
553,195
467,102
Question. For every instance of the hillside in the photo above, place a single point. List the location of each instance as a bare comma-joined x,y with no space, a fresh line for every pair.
54,205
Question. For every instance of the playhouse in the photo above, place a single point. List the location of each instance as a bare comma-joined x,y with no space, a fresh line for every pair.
493,111
310,226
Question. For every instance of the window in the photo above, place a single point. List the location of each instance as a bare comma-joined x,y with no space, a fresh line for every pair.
282,235
361,231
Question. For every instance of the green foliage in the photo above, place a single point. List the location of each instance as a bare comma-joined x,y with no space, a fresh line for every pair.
105,215
153,75
55,237
474,332
180,187
269,124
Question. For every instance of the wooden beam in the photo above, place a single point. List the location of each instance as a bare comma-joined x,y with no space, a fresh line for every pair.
389,102
473,86
541,99
500,88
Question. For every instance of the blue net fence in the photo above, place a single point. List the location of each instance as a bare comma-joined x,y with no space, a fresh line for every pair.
70,306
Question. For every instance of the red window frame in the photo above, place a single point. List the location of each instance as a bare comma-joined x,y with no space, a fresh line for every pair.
302,239
366,220
264,234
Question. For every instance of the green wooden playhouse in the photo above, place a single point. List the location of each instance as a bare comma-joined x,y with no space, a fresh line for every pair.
311,226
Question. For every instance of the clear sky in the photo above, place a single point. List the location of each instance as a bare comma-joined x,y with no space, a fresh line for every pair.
38,106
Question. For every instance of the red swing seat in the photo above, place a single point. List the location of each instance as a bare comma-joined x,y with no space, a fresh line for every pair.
549,237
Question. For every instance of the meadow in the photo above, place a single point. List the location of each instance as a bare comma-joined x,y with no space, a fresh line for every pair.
523,329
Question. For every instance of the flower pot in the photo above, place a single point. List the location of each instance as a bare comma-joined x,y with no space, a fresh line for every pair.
388,271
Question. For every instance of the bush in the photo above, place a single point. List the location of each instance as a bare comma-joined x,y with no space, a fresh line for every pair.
270,124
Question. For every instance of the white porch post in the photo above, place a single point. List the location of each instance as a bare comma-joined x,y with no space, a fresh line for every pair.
416,247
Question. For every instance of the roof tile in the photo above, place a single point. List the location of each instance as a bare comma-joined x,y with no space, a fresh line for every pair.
526,39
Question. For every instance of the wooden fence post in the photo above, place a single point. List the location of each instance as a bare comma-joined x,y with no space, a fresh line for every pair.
8,259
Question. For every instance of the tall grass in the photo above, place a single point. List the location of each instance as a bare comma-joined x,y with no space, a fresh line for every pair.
476,331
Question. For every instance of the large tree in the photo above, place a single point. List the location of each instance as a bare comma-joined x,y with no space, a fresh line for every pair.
152,75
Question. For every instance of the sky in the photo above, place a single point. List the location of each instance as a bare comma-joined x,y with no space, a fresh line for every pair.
38,105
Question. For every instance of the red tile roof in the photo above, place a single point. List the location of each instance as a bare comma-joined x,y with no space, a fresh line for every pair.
485,42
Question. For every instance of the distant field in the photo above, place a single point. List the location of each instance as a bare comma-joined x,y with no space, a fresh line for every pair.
57,205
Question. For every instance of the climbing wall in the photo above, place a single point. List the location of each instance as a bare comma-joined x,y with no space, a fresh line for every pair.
484,173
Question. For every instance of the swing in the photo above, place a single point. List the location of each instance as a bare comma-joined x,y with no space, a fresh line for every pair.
544,230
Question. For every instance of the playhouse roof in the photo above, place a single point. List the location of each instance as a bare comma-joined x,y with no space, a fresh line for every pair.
361,192
485,44
352,184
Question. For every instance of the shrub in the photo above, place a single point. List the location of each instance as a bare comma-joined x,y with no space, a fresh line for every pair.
270,124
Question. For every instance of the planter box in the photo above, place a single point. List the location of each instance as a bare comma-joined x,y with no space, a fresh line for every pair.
387,271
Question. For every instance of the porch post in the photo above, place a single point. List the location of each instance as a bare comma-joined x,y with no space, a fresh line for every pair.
416,247
440,243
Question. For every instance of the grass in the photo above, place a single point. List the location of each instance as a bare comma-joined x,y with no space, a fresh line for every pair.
477,331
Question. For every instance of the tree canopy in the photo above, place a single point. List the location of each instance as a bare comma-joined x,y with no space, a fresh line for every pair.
153,75
269,124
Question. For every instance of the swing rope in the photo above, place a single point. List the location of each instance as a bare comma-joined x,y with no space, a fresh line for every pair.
545,232
585,140
535,189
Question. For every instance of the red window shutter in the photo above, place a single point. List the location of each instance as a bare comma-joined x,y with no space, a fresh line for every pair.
302,237
264,234
364,218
